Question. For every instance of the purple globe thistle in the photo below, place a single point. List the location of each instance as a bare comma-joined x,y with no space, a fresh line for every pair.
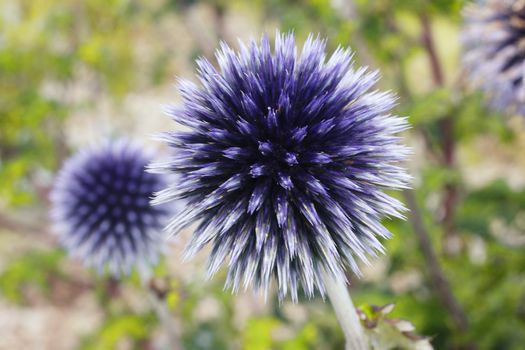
494,57
101,208
284,163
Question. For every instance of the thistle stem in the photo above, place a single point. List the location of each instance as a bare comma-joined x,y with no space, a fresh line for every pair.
437,275
346,313
168,324
447,127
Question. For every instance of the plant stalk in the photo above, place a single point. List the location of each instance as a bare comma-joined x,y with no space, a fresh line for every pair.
440,281
446,126
346,313
167,321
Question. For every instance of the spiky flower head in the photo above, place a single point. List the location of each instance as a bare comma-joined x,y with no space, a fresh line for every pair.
284,163
494,43
101,207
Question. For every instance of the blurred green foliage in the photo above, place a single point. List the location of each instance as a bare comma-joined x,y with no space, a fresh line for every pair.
131,327
46,48
31,271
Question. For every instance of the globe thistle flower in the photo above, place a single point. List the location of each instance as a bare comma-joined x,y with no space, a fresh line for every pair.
101,208
284,163
494,44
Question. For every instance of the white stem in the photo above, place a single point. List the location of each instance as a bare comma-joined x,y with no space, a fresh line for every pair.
167,322
346,313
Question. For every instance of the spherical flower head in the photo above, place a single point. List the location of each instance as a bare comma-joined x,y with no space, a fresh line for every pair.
101,208
284,162
494,57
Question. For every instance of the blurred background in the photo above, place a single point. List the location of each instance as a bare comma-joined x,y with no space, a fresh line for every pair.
74,72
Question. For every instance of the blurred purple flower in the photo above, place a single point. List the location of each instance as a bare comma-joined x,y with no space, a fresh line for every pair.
493,40
284,164
101,208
